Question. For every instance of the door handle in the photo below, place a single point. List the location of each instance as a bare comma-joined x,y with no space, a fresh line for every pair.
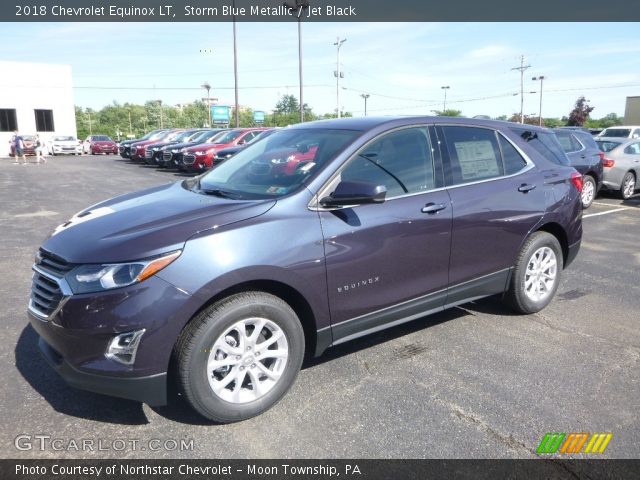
433,208
524,188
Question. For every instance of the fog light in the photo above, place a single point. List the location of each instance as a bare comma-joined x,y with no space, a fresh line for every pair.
123,347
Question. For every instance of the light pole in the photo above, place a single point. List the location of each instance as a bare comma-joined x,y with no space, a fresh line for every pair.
365,96
235,68
207,87
541,78
338,73
298,9
89,113
444,105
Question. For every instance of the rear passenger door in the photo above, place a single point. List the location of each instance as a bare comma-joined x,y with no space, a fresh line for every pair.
497,197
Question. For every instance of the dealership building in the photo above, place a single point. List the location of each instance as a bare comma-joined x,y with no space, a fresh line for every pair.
35,98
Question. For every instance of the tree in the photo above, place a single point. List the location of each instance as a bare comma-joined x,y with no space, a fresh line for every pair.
609,120
580,113
287,112
528,119
449,112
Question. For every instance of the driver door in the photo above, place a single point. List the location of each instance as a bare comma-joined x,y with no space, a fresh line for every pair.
388,262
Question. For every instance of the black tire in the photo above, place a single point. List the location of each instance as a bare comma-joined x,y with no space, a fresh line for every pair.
590,183
516,296
198,338
624,192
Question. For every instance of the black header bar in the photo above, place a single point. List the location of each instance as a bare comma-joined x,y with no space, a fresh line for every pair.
318,11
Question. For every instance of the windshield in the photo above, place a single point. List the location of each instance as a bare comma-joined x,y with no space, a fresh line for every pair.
276,166
184,136
607,145
101,138
229,137
616,132
203,135
64,139
214,136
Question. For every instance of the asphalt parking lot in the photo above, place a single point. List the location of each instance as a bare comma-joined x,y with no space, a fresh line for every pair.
472,382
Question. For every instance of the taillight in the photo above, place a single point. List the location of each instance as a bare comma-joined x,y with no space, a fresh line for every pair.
607,162
576,179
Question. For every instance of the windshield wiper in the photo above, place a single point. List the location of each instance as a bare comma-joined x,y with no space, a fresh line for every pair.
216,192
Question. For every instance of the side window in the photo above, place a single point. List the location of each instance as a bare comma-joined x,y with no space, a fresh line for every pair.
473,155
546,144
633,149
513,161
401,161
636,133
568,142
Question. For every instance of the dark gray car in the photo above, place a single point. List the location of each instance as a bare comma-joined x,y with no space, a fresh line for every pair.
586,157
316,235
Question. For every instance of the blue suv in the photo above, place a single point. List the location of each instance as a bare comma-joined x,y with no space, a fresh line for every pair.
316,235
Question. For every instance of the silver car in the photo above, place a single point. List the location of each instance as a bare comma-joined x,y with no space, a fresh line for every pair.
621,164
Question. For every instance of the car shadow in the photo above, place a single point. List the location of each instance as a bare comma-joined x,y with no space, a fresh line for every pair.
632,202
65,399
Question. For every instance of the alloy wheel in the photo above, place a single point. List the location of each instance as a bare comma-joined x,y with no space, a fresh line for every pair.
541,274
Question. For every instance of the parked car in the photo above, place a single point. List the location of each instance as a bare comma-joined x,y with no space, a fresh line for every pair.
586,157
124,147
231,276
200,157
621,165
171,157
163,155
29,145
64,145
137,149
220,156
177,137
95,144
623,131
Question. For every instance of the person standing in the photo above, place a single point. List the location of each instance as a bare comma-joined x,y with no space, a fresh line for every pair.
19,148
40,150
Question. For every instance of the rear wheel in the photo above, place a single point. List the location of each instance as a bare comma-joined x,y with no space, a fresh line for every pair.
536,276
628,186
588,191
240,356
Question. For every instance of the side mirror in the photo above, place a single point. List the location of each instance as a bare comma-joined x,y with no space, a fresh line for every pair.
355,193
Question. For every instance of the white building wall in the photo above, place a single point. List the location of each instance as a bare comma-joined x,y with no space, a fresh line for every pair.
26,87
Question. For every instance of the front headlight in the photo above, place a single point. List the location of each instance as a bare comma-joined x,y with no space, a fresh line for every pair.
175,150
201,152
96,278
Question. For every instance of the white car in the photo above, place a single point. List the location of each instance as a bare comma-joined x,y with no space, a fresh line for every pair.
64,145
622,131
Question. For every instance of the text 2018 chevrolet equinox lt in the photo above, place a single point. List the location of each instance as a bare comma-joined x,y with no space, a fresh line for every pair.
319,234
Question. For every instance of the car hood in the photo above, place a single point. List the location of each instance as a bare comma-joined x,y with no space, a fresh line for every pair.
145,223
207,146
104,143
65,142
180,145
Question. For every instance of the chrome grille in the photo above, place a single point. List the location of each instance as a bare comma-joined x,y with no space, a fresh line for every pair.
148,153
189,159
166,156
46,292
121,149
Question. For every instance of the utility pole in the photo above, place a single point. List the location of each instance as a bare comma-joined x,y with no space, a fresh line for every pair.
130,128
338,74
89,113
298,8
521,68
235,68
444,104
365,96
541,78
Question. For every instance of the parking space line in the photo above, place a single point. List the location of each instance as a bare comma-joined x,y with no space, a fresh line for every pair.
604,213
604,204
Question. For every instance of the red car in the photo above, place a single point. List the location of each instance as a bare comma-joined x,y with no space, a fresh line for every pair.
138,149
95,144
200,157
29,142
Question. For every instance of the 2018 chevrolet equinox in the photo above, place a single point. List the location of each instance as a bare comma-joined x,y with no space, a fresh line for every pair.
314,236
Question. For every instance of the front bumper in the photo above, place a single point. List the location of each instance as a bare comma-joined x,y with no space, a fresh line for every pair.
151,390
76,336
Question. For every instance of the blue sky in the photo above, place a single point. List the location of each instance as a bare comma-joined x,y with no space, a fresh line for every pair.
402,66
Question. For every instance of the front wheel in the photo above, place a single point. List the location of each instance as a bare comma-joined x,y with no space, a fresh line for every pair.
240,356
536,276
628,186
588,191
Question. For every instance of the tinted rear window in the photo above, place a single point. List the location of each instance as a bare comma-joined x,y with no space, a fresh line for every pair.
545,143
616,132
607,145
